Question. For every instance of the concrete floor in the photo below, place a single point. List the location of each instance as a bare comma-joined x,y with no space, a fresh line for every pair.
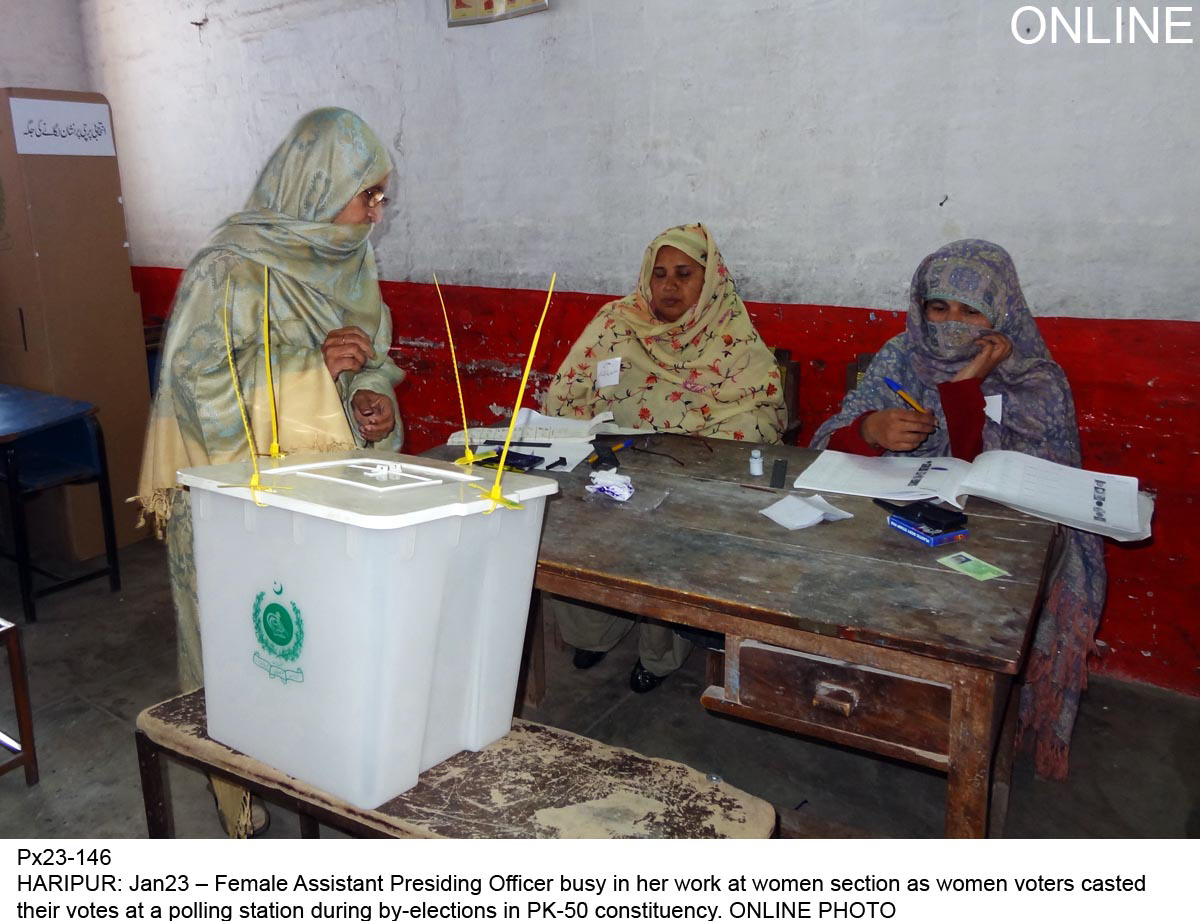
96,659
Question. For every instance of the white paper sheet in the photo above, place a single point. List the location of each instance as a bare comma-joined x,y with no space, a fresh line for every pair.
795,512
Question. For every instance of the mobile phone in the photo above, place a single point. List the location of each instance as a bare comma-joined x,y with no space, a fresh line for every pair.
925,512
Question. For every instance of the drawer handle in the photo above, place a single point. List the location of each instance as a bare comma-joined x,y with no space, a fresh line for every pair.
828,696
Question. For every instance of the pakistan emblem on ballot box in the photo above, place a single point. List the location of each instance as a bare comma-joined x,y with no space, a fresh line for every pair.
279,629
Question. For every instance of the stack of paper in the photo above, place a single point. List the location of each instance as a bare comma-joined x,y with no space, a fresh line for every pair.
533,426
549,437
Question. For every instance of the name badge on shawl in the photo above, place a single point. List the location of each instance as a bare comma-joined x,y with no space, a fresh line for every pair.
608,372
993,407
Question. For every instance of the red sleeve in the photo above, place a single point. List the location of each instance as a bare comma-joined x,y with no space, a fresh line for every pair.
849,439
962,402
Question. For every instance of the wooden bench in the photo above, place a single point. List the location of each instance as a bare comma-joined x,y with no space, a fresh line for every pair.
536,782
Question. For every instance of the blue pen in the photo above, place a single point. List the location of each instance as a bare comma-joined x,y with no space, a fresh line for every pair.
899,391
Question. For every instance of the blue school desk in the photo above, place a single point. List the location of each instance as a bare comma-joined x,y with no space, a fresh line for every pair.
50,441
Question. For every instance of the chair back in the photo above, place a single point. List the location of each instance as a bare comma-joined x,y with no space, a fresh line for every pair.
856,369
789,380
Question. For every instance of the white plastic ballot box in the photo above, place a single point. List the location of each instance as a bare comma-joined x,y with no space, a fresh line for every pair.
362,619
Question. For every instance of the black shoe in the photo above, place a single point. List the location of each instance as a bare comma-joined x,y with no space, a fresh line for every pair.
641,680
586,658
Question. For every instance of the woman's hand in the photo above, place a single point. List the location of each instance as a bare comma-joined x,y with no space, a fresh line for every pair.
897,429
373,414
346,349
993,349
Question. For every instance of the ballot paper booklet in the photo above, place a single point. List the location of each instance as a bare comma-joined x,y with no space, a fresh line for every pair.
1103,503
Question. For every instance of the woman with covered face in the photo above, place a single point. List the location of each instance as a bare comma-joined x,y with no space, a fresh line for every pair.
298,252
690,362
970,345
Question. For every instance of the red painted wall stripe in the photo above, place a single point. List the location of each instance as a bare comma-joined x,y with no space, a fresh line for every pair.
1136,389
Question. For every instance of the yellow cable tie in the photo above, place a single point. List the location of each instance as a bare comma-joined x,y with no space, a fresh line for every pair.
468,457
237,391
275,452
495,494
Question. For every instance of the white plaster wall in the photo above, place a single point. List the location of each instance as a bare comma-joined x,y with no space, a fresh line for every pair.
829,144
41,45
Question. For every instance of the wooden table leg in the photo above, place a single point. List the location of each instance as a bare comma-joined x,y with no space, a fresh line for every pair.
106,512
972,719
154,791
20,688
534,672
20,531
1002,764
309,827
714,668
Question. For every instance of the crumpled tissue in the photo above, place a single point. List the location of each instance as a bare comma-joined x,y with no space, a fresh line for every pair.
611,484
795,512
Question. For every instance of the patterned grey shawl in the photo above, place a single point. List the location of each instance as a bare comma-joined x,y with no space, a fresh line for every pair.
1038,418
1038,412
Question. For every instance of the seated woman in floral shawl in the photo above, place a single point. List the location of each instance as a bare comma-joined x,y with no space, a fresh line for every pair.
302,242
690,362
970,337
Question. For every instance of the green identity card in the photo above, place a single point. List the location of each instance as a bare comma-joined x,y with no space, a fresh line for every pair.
973,566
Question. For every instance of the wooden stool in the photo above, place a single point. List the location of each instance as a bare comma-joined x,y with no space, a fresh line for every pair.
26,754
536,782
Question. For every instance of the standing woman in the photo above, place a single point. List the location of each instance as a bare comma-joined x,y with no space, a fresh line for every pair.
970,337
300,252
690,362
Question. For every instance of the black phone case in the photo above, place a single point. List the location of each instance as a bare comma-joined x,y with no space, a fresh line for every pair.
925,512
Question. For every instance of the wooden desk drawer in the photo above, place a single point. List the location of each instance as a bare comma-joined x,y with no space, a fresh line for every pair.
841,696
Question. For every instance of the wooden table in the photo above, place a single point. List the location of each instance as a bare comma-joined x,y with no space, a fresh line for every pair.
50,441
849,631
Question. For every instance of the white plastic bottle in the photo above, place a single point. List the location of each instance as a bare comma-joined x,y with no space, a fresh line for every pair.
756,463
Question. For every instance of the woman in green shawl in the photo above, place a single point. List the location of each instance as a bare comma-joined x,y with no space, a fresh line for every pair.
299,252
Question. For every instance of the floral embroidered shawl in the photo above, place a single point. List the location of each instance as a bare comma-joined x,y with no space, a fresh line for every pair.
707,373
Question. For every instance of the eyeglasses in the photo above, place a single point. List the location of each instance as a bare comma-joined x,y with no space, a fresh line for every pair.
374,197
